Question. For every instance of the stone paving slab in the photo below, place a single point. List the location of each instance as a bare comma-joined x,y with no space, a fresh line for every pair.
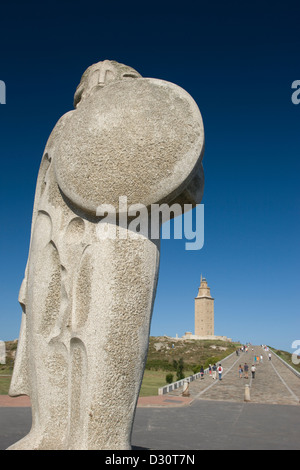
157,401
218,425
163,401
204,425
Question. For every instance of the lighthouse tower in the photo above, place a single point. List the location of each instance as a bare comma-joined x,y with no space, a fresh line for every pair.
204,311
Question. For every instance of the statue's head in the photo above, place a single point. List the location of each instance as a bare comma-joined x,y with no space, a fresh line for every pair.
102,74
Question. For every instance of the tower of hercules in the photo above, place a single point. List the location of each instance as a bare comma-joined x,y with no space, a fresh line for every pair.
204,311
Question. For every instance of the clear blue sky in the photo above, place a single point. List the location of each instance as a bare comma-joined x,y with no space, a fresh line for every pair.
238,61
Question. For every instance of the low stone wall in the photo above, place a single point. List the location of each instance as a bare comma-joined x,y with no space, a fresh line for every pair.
189,335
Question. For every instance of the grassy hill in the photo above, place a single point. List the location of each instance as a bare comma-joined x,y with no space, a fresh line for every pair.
162,353
163,350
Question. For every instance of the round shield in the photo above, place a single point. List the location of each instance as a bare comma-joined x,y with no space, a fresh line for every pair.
140,138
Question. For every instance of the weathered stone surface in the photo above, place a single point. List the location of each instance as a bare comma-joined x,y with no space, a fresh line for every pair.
140,137
86,302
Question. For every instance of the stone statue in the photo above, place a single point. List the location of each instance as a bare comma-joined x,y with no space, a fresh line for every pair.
87,302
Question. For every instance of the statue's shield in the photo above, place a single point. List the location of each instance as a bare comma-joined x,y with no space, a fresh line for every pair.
141,138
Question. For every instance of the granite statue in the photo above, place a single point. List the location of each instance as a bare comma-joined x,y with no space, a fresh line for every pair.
87,302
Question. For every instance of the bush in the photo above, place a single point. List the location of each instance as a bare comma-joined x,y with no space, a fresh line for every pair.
179,366
169,378
195,368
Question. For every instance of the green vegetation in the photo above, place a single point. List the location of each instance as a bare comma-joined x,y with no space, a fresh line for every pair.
169,378
179,366
287,357
180,358
4,385
166,356
163,351
152,380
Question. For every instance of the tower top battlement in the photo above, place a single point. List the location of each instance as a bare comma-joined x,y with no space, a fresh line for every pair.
204,290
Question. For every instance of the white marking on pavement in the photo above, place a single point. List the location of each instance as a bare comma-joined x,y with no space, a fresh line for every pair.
284,383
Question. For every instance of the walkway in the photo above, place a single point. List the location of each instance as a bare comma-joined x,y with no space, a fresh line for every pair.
274,383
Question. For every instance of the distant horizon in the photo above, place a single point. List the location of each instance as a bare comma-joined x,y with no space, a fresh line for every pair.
194,339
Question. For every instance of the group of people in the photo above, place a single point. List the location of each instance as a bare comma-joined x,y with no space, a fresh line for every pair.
244,371
241,350
258,359
214,370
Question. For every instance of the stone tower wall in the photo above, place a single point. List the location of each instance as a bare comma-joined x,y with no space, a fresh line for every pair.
204,311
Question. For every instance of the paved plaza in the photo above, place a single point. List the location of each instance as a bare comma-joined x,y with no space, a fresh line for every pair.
214,416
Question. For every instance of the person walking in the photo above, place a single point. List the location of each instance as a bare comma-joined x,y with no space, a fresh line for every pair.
210,369
220,371
270,356
253,369
240,371
201,372
214,371
246,370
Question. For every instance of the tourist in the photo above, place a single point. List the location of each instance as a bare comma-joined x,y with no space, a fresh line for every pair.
220,371
210,370
241,371
201,372
270,356
253,369
246,370
214,371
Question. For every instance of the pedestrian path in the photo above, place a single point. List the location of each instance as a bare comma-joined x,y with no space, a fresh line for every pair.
274,383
